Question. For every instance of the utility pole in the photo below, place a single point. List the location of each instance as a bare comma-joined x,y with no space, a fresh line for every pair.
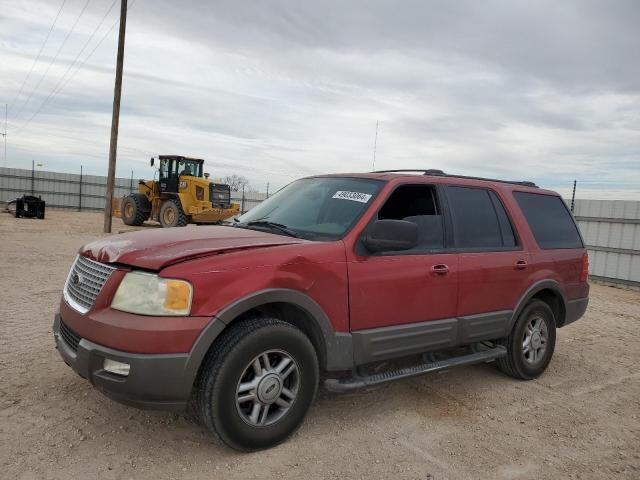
115,120
573,196
375,145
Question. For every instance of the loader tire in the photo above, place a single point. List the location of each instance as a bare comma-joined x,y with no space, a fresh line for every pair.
172,215
135,209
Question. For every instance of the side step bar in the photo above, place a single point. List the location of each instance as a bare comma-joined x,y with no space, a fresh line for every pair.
356,382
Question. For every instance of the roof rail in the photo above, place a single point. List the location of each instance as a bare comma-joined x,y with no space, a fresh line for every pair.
439,173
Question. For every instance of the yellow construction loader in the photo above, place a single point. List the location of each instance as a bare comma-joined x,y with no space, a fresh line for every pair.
181,195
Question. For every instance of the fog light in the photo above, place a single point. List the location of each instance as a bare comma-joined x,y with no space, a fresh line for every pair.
118,368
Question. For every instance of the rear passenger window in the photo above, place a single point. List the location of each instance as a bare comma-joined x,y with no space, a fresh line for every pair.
550,220
479,219
417,204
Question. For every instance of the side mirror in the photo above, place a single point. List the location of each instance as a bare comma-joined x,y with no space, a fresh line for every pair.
390,235
152,161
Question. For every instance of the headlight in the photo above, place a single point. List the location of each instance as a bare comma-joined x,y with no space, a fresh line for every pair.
148,294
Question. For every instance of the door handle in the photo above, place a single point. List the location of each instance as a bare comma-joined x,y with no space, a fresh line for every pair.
440,269
521,264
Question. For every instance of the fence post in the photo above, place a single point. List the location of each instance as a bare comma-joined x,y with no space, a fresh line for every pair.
33,176
573,196
242,202
80,191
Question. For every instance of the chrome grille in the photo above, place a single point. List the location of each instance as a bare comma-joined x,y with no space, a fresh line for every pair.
84,283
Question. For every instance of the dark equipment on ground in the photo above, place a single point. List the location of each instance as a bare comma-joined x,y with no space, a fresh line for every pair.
27,206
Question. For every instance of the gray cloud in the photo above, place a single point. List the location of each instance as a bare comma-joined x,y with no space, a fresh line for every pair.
275,90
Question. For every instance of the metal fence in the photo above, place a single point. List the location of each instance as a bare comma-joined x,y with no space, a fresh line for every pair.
611,230
79,191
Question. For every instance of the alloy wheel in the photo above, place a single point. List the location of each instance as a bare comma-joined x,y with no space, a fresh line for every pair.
267,388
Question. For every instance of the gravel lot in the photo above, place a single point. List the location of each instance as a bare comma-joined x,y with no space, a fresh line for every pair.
581,419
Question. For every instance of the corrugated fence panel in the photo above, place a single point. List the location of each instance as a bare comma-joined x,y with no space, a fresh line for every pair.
611,230
64,190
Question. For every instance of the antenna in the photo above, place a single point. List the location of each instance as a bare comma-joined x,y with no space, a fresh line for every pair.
375,145
5,134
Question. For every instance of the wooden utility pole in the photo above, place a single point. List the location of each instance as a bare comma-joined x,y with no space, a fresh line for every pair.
115,120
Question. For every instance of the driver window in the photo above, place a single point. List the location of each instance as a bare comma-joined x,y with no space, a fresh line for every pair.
417,204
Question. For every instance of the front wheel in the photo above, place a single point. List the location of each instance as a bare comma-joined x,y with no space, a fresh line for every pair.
257,383
531,343
172,215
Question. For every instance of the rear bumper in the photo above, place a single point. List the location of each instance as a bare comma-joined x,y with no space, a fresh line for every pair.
575,310
155,381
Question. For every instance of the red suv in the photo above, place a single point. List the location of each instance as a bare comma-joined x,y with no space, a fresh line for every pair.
357,278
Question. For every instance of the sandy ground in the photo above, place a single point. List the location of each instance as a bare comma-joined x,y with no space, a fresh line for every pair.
579,420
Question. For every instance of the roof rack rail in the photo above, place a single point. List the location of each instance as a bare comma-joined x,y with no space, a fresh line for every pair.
439,173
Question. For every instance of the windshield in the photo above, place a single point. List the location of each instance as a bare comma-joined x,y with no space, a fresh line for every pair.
189,167
316,208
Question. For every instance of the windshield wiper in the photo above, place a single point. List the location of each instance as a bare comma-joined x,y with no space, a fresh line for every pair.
273,226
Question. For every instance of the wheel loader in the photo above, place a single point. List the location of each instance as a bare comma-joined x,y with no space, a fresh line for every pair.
181,195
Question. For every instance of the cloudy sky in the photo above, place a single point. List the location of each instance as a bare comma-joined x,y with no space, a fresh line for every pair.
275,90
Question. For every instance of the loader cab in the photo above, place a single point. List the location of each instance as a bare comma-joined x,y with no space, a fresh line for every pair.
172,167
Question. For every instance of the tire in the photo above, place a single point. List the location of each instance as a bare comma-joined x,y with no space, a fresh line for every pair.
135,209
528,354
221,389
172,215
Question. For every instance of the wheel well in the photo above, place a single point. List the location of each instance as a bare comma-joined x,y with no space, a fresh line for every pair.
554,300
300,318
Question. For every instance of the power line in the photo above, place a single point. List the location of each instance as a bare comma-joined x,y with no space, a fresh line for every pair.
59,86
64,42
57,90
35,61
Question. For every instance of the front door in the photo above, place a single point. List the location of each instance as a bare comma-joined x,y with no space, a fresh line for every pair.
168,176
405,302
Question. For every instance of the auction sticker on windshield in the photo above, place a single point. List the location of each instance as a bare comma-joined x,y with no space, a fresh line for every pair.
355,196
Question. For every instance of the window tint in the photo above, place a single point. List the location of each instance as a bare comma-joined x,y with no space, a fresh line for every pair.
550,220
417,204
475,219
508,237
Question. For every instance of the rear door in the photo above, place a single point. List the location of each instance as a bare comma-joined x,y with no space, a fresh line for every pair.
493,268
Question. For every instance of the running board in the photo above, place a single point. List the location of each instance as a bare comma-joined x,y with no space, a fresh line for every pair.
356,382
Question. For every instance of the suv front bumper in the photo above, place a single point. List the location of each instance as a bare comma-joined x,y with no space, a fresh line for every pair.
155,381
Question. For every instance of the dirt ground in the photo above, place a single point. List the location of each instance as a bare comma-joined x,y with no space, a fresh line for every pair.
581,419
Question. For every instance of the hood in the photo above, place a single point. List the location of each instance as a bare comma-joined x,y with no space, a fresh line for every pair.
157,248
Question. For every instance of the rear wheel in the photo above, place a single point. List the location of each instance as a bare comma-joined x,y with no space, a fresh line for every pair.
531,343
172,215
135,209
257,383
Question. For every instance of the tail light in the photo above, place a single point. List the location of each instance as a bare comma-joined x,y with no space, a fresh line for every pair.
584,274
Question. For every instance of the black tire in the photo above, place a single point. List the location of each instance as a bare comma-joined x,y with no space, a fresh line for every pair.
518,362
172,215
135,209
224,368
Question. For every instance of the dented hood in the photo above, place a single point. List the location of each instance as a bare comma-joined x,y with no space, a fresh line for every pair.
155,249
